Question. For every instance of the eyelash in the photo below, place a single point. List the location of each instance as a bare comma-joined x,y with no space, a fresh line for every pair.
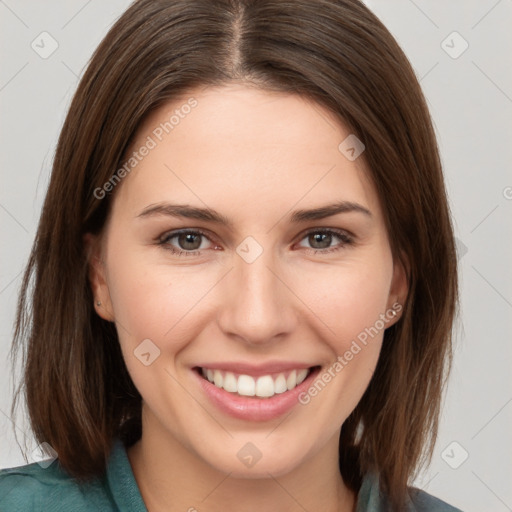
346,240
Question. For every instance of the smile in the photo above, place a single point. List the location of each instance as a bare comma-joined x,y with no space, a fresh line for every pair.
263,386
252,392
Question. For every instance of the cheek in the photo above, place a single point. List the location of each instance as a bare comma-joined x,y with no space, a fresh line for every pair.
155,301
349,298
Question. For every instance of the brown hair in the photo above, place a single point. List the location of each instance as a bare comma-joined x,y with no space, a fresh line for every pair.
78,392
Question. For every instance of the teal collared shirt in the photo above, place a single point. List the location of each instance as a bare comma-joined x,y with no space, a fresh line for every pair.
32,488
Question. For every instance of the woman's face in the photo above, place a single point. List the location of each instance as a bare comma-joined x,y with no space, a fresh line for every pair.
262,287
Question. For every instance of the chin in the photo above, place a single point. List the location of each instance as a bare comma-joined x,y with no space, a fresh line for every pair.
264,462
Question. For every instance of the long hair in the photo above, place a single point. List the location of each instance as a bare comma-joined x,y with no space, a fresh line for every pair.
78,392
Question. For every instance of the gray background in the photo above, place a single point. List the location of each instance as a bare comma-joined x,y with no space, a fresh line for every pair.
470,97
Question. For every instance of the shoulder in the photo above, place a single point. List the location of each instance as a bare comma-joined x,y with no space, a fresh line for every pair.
35,488
371,499
424,502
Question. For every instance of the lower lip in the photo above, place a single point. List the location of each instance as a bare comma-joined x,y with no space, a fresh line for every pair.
252,408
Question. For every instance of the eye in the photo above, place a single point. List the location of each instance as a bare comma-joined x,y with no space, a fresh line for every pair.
188,242
321,240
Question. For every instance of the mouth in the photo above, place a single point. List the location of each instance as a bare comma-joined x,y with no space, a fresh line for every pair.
255,393
259,387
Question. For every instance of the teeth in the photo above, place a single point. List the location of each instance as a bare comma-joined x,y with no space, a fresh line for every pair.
230,383
263,387
246,385
280,384
291,381
301,375
217,378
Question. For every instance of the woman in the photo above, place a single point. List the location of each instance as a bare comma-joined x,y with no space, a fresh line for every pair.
244,277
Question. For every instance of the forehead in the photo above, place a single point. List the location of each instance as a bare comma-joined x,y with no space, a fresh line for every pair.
234,145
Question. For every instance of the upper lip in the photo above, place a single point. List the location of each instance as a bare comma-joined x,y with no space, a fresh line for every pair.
256,369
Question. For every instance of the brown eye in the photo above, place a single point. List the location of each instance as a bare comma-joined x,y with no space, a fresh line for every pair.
322,240
189,242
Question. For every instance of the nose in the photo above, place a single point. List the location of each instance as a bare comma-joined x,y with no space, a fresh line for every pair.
258,306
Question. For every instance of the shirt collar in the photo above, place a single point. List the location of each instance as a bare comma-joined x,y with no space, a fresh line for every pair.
371,499
121,480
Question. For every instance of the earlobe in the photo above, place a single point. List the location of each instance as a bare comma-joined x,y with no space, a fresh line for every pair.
399,287
97,277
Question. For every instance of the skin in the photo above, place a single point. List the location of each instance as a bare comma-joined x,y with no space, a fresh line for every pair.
254,156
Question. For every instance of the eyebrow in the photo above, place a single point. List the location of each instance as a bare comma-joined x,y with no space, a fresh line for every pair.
210,215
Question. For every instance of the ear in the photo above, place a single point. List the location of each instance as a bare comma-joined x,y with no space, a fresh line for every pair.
97,277
399,287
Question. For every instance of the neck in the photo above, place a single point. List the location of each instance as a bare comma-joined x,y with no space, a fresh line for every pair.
172,477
